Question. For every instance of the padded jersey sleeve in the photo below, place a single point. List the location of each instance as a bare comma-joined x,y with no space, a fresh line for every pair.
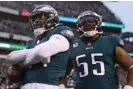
119,41
116,41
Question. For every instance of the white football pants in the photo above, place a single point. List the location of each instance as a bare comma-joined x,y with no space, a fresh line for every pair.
39,86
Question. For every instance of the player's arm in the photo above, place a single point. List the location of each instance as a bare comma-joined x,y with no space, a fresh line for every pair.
57,43
17,56
42,52
124,60
70,66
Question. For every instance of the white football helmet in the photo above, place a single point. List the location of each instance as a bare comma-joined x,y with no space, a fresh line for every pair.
43,18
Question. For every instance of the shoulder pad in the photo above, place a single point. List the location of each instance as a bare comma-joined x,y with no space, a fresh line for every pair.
117,40
67,33
61,28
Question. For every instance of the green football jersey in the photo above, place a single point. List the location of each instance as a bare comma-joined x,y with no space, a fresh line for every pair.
49,73
95,63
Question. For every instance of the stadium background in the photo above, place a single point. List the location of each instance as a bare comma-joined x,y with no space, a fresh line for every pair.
15,30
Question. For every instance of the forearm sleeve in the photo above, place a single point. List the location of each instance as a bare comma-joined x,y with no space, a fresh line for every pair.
17,56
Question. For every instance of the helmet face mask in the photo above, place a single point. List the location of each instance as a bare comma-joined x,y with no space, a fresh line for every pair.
39,20
43,18
89,25
88,22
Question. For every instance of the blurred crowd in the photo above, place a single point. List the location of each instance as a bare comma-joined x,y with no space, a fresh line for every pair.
70,9
15,27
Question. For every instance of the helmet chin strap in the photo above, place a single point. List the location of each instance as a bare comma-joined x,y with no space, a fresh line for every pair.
90,33
40,31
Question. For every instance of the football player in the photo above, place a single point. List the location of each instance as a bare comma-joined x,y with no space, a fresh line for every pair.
95,55
46,56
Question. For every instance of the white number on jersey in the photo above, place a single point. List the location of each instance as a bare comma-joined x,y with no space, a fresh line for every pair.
94,62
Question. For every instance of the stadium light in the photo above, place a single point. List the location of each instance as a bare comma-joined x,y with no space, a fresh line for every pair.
25,13
104,24
73,20
67,19
12,46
